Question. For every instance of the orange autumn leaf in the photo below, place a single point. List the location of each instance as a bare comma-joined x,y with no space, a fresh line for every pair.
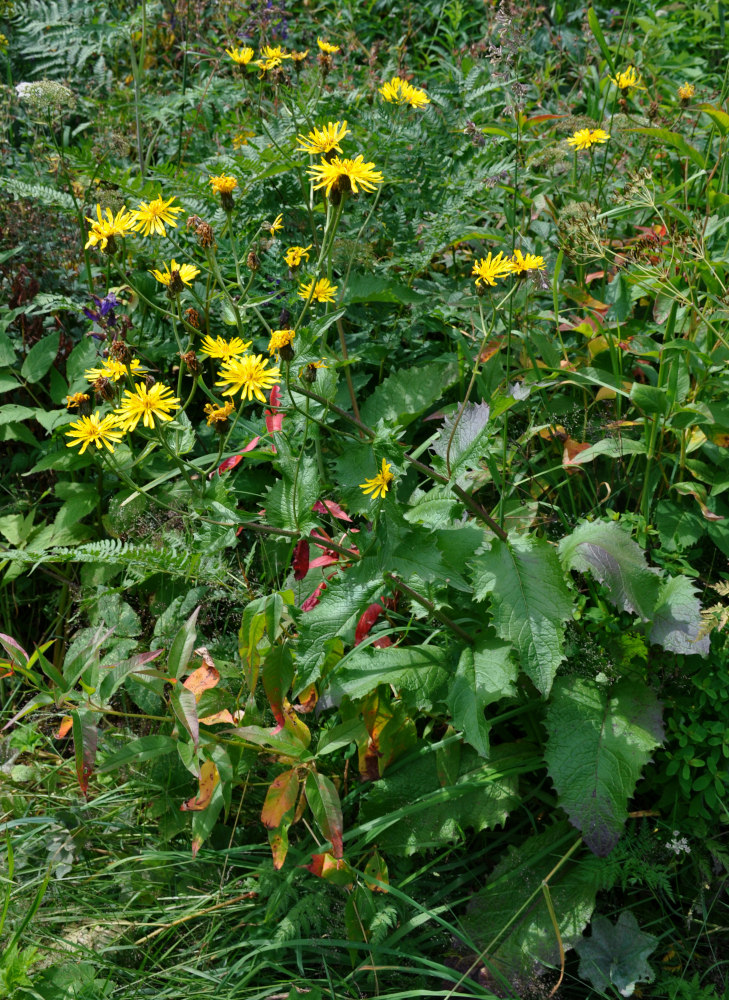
571,450
209,778
65,727
205,677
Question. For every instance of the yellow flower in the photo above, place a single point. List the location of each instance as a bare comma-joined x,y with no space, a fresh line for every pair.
627,79
223,184
279,339
242,138
152,216
324,140
274,227
587,137
379,484
266,64
248,375
269,52
78,399
95,430
146,404
295,255
326,47
186,272
322,291
104,229
399,91
299,56
218,414
521,263
241,56
686,91
220,348
114,370
490,268
346,174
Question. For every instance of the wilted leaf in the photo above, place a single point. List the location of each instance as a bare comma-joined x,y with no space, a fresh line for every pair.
209,778
280,799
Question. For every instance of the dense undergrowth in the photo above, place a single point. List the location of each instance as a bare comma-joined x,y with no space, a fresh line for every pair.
363,529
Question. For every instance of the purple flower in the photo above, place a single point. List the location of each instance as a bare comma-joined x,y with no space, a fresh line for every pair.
104,310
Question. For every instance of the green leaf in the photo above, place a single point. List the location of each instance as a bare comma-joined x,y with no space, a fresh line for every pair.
419,672
185,708
616,954
600,38
323,800
409,811
7,351
530,601
485,674
373,288
678,527
677,619
599,741
403,396
665,137
608,552
182,647
463,438
720,118
511,909
289,502
40,357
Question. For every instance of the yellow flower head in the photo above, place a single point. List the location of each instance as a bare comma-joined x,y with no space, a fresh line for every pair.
104,229
490,268
267,64
326,47
269,52
295,255
223,184
218,414
77,399
241,56
95,430
379,484
299,56
324,140
114,370
221,348
521,263
346,174
152,216
627,79
274,227
186,273
686,91
323,290
586,137
241,139
248,375
399,91
279,339
145,404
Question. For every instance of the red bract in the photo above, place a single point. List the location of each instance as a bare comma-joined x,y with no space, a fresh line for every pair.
366,621
301,559
330,507
230,463
313,599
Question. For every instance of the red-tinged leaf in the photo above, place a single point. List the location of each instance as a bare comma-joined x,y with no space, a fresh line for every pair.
66,724
313,599
274,398
85,739
274,421
330,507
307,699
18,656
185,708
230,463
366,621
376,868
570,452
331,869
382,643
276,674
536,119
295,726
209,778
327,560
280,799
301,559
278,840
205,677
323,799
214,720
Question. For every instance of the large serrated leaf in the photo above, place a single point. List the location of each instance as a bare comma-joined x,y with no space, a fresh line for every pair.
521,929
530,601
402,397
463,438
599,741
608,552
485,674
289,501
419,672
677,619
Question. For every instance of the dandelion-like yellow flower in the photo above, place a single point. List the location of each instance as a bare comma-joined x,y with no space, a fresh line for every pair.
186,272
224,184
152,216
587,137
267,64
241,139
686,91
399,91
322,291
95,430
295,255
279,339
275,225
379,484
77,399
299,56
248,375
218,414
271,52
346,175
327,47
627,79
241,56
521,263
324,140
146,404
221,348
104,229
490,268
114,370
